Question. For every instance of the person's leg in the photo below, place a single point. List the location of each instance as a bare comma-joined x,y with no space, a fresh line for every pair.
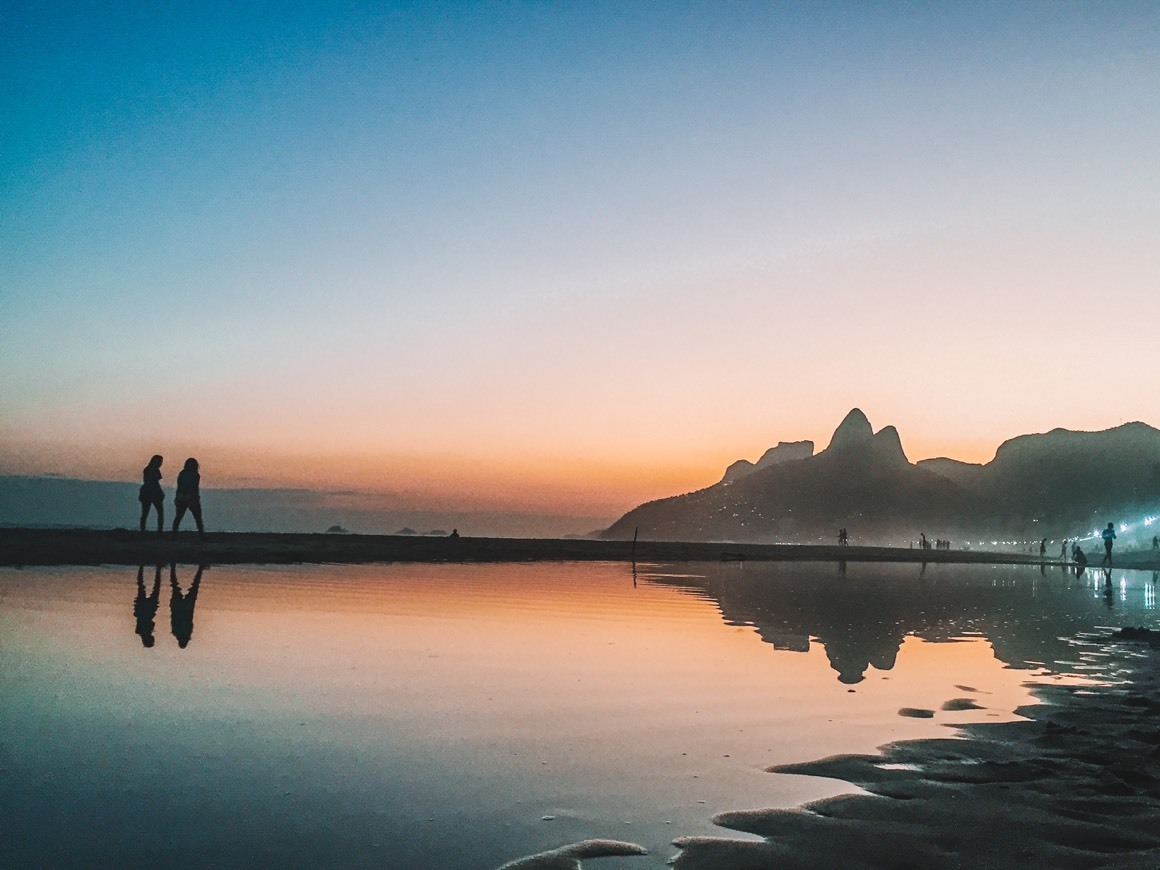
144,514
195,509
178,514
159,506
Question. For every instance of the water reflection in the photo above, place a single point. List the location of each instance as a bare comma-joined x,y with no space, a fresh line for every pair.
354,715
145,606
863,614
181,605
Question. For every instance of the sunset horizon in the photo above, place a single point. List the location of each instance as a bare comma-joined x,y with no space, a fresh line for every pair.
567,258
536,484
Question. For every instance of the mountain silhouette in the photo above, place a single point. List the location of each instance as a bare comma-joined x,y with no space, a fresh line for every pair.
1052,485
785,451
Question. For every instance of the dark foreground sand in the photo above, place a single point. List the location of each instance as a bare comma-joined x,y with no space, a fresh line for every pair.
1076,786
122,547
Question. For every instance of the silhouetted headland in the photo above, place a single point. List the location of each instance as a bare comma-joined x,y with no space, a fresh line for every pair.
1043,486
124,547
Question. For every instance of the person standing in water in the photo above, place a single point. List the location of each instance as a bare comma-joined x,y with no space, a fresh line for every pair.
188,497
151,494
1109,535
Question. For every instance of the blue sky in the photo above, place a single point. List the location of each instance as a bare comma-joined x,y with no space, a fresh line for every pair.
583,246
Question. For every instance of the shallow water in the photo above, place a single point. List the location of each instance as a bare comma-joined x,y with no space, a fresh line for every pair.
462,716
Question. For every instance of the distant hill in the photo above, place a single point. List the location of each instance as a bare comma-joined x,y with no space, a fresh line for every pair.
1053,485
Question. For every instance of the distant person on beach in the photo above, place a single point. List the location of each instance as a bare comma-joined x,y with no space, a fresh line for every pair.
454,533
1109,535
181,605
1043,548
151,494
1156,542
1063,550
188,497
1080,560
145,607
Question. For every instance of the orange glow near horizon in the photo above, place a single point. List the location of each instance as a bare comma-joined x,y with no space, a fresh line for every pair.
602,477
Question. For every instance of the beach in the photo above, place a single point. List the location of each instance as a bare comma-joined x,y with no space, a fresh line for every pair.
1074,784
25,546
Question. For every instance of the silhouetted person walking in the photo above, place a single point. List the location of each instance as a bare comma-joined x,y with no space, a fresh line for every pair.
1063,550
151,494
181,606
145,607
1043,548
188,497
1109,535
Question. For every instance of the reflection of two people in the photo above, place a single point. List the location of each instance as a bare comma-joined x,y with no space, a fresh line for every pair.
180,605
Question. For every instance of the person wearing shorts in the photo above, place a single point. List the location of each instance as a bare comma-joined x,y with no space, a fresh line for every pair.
188,497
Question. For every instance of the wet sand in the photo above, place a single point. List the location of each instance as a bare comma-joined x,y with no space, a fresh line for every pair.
123,547
1076,786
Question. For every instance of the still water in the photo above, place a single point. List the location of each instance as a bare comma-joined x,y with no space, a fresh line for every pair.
460,716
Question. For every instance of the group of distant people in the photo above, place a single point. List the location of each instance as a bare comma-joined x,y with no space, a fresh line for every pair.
939,543
187,497
1079,557
843,538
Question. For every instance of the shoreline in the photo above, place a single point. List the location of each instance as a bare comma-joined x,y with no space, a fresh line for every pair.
1075,785
32,547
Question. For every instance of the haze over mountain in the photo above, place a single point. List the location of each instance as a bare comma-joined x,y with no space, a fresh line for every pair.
1053,485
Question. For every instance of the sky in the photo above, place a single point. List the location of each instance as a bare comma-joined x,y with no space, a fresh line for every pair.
567,257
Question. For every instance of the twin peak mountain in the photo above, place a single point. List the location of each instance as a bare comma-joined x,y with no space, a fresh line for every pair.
1051,485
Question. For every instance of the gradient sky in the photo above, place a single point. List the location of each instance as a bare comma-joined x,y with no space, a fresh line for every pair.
567,256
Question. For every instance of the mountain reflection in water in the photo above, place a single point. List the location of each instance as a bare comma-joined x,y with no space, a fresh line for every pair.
862,613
